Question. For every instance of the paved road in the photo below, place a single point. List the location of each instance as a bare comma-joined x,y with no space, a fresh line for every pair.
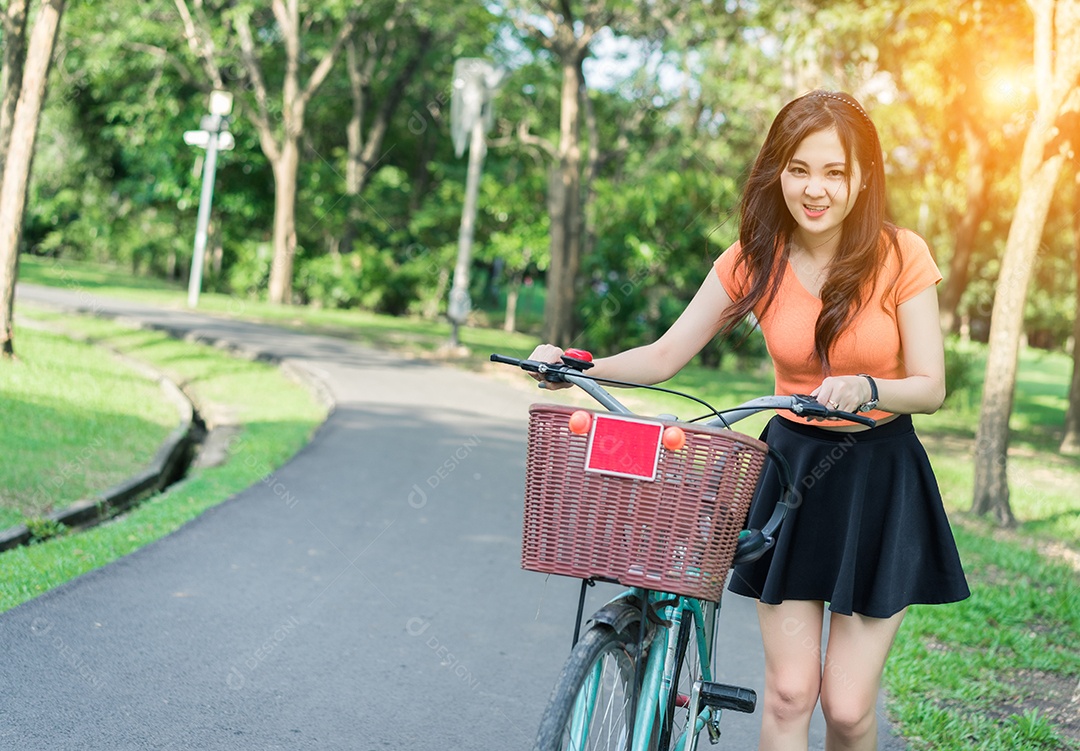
365,596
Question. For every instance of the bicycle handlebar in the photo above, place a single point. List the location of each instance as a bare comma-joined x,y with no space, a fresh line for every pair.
753,543
798,404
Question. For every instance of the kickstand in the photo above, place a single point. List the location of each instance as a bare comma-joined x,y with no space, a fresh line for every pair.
581,609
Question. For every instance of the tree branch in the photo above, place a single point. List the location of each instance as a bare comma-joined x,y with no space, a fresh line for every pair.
539,142
166,56
261,119
327,62
201,44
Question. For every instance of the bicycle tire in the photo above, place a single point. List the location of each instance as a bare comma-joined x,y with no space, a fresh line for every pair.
602,652
687,670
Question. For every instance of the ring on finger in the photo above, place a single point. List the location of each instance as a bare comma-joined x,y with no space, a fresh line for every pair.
832,404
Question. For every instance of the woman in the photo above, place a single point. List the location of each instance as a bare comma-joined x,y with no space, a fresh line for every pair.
848,308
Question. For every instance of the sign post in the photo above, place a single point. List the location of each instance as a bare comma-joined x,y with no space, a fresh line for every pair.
211,137
470,116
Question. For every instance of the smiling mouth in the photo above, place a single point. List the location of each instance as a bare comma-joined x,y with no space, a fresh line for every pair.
815,210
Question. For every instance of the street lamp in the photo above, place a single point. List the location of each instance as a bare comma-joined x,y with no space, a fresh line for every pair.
211,137
471,115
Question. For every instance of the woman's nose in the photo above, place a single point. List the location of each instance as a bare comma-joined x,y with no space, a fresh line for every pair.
814,187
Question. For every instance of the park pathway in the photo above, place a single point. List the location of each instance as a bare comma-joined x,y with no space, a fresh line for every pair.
367,595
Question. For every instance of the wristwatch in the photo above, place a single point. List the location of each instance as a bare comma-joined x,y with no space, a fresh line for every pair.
872,404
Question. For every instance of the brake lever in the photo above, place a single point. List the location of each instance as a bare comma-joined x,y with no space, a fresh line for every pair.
807,406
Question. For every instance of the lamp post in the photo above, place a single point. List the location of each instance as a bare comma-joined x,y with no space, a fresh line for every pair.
470,116
211,137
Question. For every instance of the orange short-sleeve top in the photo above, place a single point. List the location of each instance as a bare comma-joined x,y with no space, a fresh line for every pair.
871,344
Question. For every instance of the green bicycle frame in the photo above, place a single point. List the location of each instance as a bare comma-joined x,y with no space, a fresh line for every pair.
658,680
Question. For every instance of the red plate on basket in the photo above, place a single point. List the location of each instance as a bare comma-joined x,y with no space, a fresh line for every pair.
624,447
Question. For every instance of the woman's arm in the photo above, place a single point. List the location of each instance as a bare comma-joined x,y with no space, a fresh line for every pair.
656,362
923,390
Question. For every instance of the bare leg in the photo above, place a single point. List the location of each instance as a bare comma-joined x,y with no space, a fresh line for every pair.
791,633
854,660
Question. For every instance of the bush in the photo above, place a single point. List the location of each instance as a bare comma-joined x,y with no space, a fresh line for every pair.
42,529
250,272
369,278
960,371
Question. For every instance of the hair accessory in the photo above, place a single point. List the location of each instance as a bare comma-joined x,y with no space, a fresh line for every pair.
849,102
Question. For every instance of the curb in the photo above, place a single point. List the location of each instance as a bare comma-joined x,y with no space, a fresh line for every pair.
167,465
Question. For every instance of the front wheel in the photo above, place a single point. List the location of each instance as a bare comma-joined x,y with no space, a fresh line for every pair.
590,706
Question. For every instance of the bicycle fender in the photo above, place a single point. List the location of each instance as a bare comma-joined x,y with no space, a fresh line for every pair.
620,614
624,612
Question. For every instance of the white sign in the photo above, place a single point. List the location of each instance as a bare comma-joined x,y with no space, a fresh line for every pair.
201,138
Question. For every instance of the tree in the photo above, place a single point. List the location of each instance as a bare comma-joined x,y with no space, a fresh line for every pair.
14,57
1070,442
568,41
19,155
280,125
369,54
1046,148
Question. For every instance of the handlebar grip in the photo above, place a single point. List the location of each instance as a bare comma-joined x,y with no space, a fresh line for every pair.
505,360
551,371
855,417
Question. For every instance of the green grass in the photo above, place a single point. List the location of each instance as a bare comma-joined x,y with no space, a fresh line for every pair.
79,421
998,670
277,418
994,672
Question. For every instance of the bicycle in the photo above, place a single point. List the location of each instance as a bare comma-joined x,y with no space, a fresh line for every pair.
668,522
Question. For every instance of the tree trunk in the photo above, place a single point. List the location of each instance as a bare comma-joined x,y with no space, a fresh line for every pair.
20,152
1070,442
565,208
1057,68
281,270
14,40
959,267
513,292
1006,327
359,81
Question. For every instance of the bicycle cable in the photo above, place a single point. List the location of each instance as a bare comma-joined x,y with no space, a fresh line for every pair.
631,384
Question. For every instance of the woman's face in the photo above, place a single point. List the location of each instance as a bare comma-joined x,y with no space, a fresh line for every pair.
820,187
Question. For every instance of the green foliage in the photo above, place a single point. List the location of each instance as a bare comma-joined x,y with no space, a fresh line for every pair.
655,243
42,529
961,376
678,117
369,278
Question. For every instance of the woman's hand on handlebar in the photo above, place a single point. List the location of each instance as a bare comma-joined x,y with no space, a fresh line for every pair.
844,393
548,353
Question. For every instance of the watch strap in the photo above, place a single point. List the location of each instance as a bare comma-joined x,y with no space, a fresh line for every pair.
867,406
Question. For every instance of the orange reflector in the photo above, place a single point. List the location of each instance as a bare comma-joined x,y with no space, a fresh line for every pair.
580,422
674,438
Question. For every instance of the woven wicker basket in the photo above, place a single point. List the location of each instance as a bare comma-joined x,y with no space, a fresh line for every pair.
674,533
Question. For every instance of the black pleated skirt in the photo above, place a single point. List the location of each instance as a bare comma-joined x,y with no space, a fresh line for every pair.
868,533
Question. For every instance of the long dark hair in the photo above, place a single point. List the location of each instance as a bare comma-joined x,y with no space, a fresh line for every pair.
766,224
